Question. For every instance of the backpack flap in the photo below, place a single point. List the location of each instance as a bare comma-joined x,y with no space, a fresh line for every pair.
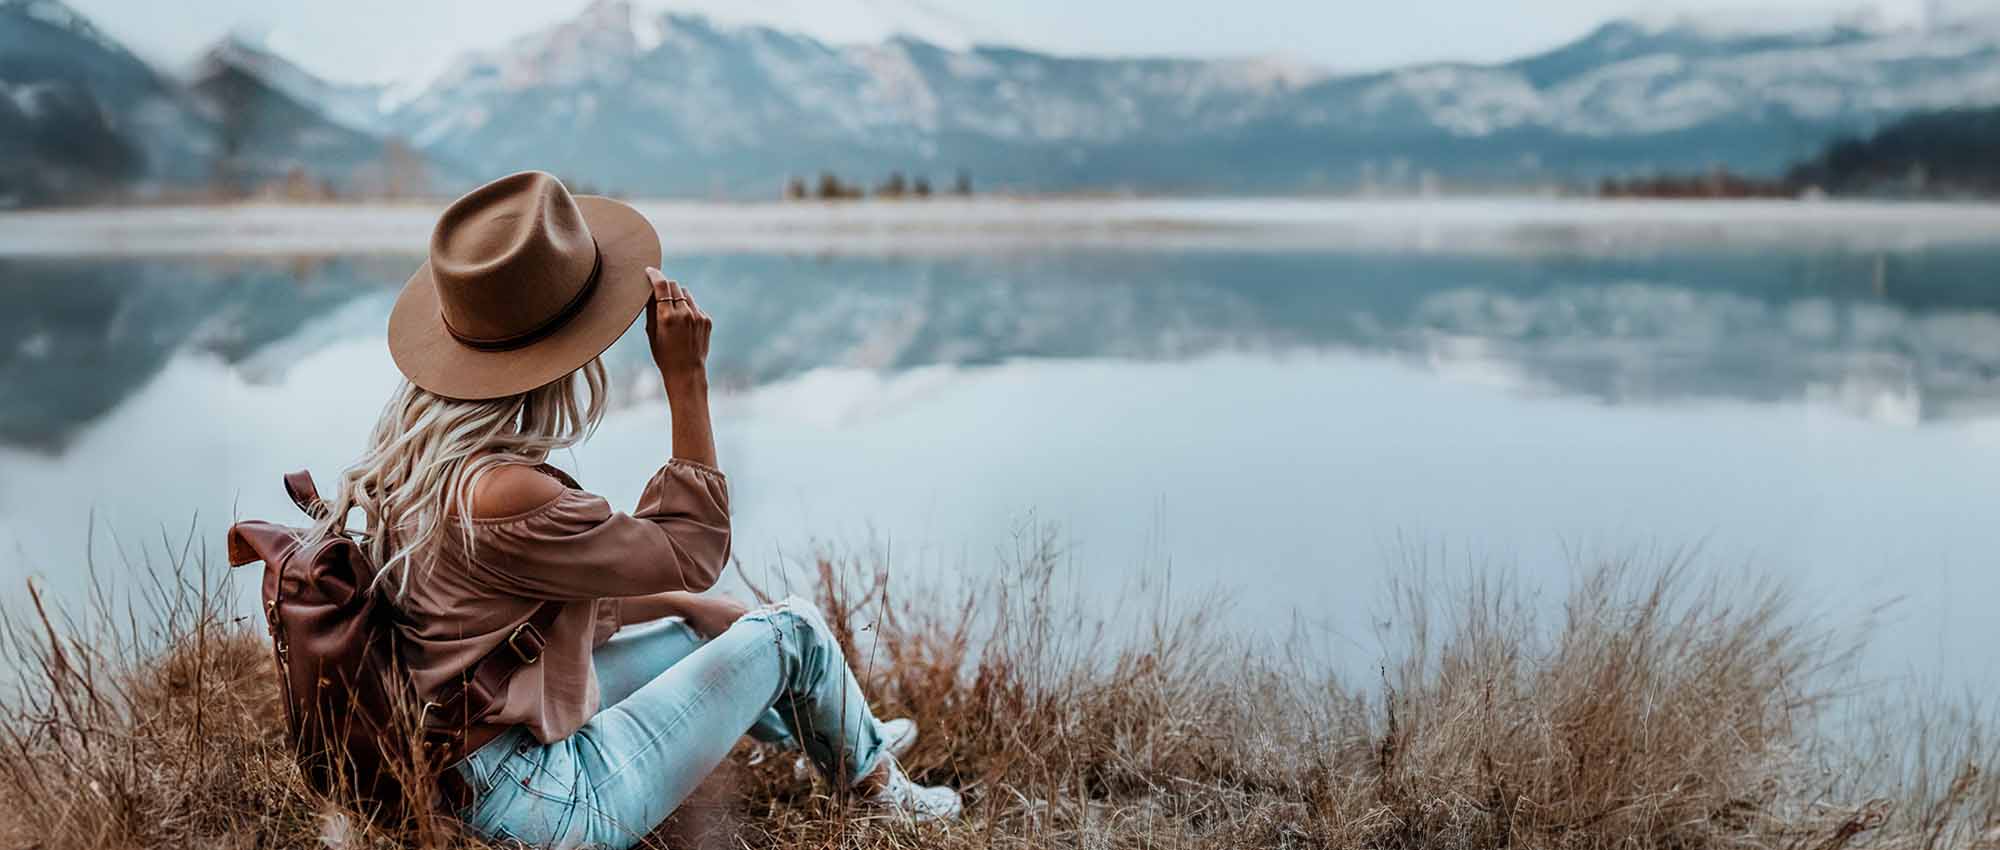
273,544
256,540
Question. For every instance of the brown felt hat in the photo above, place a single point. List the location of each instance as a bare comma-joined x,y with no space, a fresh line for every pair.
525,284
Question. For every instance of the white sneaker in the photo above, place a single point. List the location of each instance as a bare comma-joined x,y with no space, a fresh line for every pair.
901,796
898,736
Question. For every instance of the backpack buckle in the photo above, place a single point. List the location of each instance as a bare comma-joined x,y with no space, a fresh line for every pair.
526,642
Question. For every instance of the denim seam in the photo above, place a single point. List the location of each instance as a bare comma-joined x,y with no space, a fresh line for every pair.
572,806
486,777
524,781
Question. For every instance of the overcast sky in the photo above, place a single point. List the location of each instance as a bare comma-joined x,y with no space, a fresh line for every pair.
399,40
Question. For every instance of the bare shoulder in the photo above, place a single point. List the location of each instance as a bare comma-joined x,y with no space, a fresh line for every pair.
512,489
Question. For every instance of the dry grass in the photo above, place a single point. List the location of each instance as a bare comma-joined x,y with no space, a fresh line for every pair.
1651,709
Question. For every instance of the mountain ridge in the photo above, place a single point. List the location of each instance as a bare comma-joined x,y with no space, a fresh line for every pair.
83,117
669,103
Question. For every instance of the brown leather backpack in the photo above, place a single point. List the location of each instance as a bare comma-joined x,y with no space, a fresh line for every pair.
360,731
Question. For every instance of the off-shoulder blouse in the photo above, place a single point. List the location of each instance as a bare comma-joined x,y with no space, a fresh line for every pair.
574,550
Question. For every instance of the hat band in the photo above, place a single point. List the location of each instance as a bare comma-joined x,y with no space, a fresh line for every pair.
548,326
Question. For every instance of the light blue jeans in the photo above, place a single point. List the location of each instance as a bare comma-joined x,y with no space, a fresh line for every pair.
673,706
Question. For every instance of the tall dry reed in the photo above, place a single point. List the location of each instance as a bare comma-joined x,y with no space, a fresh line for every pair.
1654,707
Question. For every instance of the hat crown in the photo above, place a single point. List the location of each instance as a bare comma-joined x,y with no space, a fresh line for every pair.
511,259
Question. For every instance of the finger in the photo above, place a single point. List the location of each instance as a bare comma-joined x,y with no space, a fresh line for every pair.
657,305
683,305
670,309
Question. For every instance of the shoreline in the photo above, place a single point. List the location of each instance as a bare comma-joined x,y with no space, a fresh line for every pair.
945,226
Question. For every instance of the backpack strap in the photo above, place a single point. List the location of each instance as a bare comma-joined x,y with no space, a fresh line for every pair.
468,700
299,485
559,475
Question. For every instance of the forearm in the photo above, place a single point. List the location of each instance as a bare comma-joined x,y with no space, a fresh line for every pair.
693,434
654,606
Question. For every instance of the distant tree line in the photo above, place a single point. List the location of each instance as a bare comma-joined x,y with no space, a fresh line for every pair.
1953,153
830,187
1718,183
399,172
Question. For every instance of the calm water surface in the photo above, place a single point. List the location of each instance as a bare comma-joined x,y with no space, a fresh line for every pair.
1291,424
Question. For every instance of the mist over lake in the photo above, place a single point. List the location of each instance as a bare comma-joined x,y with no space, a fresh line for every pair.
1288,405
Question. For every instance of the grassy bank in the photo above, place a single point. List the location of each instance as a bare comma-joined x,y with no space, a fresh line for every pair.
1652,708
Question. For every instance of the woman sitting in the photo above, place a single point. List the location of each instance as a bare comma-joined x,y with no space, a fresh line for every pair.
643,686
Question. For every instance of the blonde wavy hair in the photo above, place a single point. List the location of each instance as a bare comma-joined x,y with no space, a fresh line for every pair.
415,481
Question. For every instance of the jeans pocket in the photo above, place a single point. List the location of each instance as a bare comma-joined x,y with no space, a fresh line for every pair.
532,800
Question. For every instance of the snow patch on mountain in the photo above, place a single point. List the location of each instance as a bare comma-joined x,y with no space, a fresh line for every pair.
1640,84
595,45
1464,100
842,22
56,14
357,107
1782,19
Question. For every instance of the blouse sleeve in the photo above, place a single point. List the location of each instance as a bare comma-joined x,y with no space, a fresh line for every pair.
607,622
576,547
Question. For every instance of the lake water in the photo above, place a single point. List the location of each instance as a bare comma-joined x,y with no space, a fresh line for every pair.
1290,420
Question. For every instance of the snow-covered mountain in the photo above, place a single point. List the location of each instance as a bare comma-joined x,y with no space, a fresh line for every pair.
83,119
841,22
359,107
1629,79
677,104
80,116
275,124
650,102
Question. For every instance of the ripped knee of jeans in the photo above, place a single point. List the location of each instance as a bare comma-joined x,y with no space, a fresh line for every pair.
790,604
790,607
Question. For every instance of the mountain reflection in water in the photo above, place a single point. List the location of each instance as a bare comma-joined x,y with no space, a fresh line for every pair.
1904,338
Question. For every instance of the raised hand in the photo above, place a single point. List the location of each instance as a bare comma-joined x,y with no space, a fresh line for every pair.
678,332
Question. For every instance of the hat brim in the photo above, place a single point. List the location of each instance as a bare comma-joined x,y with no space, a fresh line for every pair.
427,354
